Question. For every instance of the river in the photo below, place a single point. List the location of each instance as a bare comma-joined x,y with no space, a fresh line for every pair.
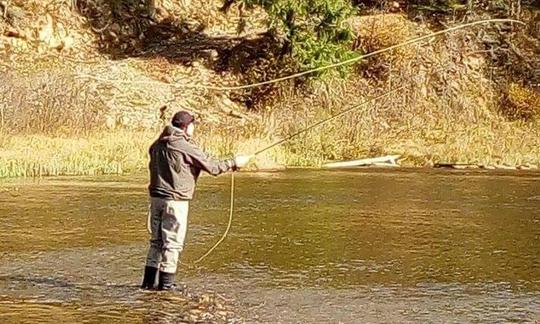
306,246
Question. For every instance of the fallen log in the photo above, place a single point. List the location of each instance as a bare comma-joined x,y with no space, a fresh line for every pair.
388,160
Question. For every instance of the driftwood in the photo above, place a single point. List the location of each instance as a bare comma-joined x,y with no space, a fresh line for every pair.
466,166
388,160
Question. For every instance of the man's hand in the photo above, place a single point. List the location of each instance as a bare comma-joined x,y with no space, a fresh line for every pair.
242,160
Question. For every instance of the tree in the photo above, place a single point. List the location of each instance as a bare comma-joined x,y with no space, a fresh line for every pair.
314,30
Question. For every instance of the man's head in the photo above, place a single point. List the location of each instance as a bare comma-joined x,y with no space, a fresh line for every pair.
185,121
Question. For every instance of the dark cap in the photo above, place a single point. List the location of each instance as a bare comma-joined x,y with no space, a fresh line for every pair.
182,119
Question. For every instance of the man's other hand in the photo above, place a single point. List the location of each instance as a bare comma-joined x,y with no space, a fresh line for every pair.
242,160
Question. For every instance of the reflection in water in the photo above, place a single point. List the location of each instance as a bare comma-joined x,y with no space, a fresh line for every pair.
308,246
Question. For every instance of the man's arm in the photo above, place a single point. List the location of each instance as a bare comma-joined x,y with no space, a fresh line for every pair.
207,164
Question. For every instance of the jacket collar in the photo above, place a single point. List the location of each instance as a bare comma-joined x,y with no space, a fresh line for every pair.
171,132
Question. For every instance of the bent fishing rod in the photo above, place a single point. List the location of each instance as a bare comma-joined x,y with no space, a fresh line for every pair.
324,121
288,138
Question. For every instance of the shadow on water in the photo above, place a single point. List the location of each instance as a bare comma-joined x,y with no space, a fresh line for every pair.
57,282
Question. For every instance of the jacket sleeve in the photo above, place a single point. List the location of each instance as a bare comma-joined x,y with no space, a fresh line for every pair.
207,164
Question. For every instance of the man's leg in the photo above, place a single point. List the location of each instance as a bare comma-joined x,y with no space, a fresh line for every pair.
153,258
173,229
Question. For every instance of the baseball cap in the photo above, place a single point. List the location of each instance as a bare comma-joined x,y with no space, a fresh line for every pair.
182,118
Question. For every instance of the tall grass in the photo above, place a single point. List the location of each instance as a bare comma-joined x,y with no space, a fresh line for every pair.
421,142
48,101
100,153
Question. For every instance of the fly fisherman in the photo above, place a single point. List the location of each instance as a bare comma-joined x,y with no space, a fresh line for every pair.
175,164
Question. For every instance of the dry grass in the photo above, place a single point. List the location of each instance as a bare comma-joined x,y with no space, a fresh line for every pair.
423,139
114,152
126,151
521,102
100,153
422,142
48,101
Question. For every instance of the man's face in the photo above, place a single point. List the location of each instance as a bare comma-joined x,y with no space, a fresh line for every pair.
190,129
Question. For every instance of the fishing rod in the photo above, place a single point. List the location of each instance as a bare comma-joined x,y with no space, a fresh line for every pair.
310,71
324,121
280,142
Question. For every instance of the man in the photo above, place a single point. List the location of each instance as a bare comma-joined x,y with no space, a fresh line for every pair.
175,164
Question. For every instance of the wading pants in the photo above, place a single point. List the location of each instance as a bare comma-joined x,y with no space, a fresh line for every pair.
167,224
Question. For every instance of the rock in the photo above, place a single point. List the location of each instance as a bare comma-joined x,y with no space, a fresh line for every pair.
527,167
465,166
11,12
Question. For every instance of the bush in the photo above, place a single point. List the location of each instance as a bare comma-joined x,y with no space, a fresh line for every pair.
315,30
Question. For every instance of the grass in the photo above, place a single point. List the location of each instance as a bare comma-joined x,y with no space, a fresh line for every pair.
100,153
421,144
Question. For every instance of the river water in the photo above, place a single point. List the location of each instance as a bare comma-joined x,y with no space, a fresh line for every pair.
306,246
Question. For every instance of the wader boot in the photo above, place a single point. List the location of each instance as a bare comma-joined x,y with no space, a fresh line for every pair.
150,278
166,282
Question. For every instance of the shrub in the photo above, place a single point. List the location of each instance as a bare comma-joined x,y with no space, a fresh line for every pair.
315,30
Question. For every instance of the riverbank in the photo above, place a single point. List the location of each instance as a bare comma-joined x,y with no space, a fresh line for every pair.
457,104
125,152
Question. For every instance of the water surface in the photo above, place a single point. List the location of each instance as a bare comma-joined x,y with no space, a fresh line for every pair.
314,246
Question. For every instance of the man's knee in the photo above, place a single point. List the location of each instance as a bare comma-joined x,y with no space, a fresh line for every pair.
173,246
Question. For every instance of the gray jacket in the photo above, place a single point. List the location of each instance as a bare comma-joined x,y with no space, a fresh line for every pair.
176,163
